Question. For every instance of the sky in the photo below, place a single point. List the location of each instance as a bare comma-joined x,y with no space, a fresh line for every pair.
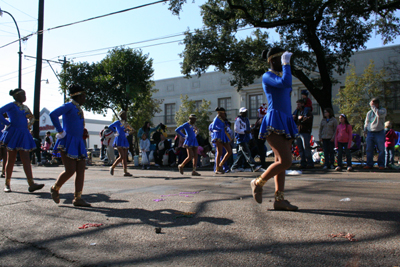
152,28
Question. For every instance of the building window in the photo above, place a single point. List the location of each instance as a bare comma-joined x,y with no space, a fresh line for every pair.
197,104
255,101
169,113
393,96
224,103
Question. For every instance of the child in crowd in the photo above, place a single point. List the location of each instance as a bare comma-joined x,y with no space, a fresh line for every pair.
390,141
343,138
145,148
308,103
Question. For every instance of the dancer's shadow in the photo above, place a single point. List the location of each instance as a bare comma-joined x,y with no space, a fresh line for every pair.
391,216
159,218
68,197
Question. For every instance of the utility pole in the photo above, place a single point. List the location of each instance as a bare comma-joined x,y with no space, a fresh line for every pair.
64,67
38,77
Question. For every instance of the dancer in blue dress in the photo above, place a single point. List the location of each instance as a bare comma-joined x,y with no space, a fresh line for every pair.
221,138
122,129
3,149
70,144
17,138
278,126
190,143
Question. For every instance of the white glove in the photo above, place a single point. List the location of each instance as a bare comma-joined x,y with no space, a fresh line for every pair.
126,134
61,135
116,134
285,59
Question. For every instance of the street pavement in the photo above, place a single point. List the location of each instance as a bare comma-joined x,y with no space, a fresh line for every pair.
211,220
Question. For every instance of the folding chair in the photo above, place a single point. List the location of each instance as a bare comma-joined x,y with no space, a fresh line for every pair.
357,151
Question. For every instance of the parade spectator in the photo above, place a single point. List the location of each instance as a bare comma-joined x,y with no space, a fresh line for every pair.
162,147
343,139
108,136
307,101
304,120
145,148
390,141
259,148
242,134
374,129
327,130
147,130
103,146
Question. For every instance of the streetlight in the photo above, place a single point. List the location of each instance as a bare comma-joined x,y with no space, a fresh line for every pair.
20,52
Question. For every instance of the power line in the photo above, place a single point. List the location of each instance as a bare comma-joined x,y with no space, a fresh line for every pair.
18,9
85,20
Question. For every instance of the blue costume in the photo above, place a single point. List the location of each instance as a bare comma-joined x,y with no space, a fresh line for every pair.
73,124
190,138
120,140
17,135
278,118
219,131
2,125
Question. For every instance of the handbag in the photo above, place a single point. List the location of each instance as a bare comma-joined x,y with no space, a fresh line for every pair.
145,160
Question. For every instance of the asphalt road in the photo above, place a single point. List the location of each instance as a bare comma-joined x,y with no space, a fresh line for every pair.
205,221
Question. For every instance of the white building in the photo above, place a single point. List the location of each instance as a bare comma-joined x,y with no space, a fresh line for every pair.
215,87
93,126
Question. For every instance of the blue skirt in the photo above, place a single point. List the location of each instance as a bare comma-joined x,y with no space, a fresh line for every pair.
121,141
279,123
221,137
18,139
192,142
74,147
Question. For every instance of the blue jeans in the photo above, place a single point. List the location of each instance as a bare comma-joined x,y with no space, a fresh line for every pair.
303,143
389,156
378,139
342,146
329,153
244,152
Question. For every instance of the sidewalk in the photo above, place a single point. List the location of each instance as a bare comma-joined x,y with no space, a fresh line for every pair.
205,221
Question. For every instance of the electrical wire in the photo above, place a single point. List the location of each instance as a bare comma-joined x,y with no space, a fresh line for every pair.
18,9
85,20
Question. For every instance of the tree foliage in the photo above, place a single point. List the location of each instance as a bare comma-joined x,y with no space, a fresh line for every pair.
189,107
122,80
353,100
323,34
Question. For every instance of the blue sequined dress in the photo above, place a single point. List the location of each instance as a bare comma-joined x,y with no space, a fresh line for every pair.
278,118
73,124
120,140
16,136
219,129
190,138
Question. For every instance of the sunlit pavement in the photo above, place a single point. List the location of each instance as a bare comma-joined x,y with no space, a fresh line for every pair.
210,220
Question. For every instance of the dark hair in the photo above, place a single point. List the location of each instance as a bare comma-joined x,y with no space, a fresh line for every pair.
48,132
271,52
375,100
145,125
301,101
330,111
219,109
74,88
13,92
345,119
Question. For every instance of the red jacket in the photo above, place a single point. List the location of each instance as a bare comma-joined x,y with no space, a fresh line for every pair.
391,138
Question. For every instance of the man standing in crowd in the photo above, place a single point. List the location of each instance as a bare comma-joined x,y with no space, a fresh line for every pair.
242,134
304,121
374,129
